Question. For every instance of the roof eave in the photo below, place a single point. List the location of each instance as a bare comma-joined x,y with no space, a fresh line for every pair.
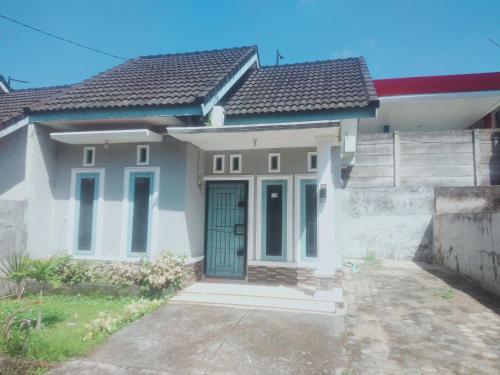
303,116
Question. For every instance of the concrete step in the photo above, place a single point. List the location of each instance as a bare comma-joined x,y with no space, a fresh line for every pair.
255,290
248,301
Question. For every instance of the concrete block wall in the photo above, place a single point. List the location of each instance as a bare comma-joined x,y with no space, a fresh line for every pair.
466,228
391,223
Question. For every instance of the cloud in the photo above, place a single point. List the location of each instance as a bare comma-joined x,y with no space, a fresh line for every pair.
343,53
369,41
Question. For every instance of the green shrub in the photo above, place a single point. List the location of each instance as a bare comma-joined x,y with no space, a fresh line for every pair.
15,267
73,272
154,278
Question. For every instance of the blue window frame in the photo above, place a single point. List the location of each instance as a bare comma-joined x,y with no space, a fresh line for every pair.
308,220
141,188
86,195
274,220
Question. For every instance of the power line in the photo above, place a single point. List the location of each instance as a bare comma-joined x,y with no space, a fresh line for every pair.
63,39
495,43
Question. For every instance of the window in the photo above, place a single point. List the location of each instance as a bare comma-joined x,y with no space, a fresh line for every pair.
143,155
86,193
88,156
235,163
218,166
274,162
274,219
312,161
308,219
140,208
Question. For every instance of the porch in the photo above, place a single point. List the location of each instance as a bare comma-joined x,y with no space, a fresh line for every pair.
271,201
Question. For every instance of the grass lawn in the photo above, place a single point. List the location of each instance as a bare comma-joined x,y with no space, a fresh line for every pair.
67,320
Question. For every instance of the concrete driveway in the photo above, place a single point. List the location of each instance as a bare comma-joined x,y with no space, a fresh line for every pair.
188,339
402,318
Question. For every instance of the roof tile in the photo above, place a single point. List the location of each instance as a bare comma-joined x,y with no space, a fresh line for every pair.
166,80
328,85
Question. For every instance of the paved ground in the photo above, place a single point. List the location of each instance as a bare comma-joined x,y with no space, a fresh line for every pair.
403,319
400,319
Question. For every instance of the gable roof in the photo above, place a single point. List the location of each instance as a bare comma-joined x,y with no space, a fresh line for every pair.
438,84
320,85
12,103
162,80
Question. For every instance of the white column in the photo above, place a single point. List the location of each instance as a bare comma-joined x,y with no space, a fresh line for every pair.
329,180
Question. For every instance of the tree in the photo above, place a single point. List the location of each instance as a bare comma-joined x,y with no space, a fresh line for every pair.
15,267
44,271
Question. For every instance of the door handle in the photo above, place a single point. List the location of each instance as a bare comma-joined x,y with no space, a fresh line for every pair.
241,252
239,229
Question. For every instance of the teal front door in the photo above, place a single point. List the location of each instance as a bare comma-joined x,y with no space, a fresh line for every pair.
226,229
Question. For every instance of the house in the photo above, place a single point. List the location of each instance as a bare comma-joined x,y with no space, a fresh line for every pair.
251,172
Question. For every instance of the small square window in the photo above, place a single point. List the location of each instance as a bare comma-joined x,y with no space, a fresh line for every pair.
88,156
274,162
143,155
235,163
218,164
312,161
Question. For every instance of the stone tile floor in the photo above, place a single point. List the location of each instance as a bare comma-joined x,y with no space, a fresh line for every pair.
404,318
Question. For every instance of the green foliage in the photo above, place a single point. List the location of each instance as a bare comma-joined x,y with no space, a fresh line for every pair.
444,293
107,323
72,272
371,259
67,320
166,271
15,267
45,270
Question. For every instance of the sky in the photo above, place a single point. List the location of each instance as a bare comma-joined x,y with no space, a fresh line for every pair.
398,38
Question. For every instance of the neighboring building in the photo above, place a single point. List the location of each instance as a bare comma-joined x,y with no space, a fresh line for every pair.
207,154
436,103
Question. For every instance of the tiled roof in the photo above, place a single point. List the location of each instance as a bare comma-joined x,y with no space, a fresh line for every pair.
320,85
163,80
12,103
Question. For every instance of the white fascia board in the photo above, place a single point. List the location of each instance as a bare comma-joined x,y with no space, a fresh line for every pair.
440,96
3,87
12,128
107,136
206,107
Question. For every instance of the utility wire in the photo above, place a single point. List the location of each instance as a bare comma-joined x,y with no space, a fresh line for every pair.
63,39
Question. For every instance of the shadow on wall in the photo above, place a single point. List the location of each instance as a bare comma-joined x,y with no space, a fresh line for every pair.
13,160
494,162
424,250
464,284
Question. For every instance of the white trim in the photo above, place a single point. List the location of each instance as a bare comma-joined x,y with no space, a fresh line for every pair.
250,207
138,160
310,154
235,156
298,179
269,164
440,96
214,163
153,250
12,128
4,87
205,108
99,218
107,136
85,150
265,263
289,215
267,126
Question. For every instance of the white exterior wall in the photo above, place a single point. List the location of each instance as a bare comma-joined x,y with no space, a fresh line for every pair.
179,204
